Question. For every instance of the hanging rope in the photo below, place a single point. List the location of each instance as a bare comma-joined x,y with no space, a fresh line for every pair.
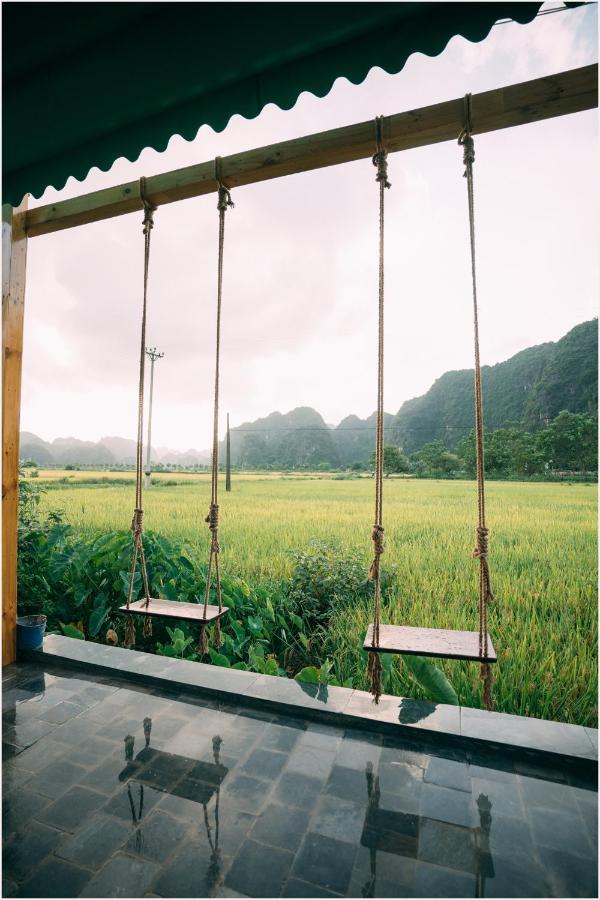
137,522
224,201
481,547
377,535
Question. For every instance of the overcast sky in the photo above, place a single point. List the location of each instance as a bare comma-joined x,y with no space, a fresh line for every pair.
300,294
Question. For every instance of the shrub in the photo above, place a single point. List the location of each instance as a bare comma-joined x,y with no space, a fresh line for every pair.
275,628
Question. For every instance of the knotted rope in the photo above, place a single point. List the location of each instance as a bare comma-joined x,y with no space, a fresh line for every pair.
212,519
137,527
377,535
481,547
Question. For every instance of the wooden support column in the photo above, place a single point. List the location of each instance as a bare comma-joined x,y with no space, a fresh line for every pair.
14,257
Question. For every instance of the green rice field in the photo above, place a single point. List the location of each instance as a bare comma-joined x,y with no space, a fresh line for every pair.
542,556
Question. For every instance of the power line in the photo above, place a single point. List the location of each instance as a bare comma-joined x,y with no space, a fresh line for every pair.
548,12
320,429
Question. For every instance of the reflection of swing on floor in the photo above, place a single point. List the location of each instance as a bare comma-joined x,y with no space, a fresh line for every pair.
194,780
399,833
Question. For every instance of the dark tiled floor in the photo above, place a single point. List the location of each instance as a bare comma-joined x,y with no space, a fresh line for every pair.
111,789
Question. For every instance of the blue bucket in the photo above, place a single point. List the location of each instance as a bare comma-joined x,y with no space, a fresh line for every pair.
30,632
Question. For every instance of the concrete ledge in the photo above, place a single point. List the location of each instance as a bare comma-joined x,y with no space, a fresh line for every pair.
471,729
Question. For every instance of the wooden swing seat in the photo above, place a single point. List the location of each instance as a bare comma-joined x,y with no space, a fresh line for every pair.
174,609
438,642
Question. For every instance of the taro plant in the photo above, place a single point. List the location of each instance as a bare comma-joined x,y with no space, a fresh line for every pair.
321,675
429,677
41,542
274,628
178,646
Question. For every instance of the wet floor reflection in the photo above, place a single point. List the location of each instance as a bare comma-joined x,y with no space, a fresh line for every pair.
402,834
192,779
199,799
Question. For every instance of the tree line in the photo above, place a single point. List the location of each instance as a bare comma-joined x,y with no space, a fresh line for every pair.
567,444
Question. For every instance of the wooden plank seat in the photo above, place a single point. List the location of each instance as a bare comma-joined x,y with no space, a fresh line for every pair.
399,834
437,642
393,831
174,609
190,779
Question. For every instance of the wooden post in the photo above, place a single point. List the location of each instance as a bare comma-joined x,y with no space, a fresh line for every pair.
14,258
228,458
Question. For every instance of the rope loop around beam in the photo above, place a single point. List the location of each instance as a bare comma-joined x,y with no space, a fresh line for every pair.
224,194
380,155
465,138
149,208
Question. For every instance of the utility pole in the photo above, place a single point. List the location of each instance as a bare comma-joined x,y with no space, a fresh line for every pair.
153,355
228,458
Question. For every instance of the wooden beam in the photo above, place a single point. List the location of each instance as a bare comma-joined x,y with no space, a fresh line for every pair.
14,258
517,104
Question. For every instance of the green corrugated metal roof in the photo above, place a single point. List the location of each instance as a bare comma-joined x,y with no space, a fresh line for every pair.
86,83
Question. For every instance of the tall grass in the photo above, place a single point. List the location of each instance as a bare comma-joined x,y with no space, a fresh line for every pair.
542,557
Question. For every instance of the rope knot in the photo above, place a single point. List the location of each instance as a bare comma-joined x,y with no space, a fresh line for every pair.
378,541
213,523
374,672
149,208
465,140
481,553
378,549
148,223
468,144
485,673
213,517
137,522
380,162
380,157
224,199
481,548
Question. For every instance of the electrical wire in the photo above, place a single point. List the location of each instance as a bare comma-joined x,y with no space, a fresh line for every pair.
548,12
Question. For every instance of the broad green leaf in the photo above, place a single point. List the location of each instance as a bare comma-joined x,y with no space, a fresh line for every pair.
81,595
308,673
72,631
256,656
270,667
240,631
432,680
304,641
100,601
241,666
244,588
218,659
255,624
325,670
170,589
97,619
270,610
